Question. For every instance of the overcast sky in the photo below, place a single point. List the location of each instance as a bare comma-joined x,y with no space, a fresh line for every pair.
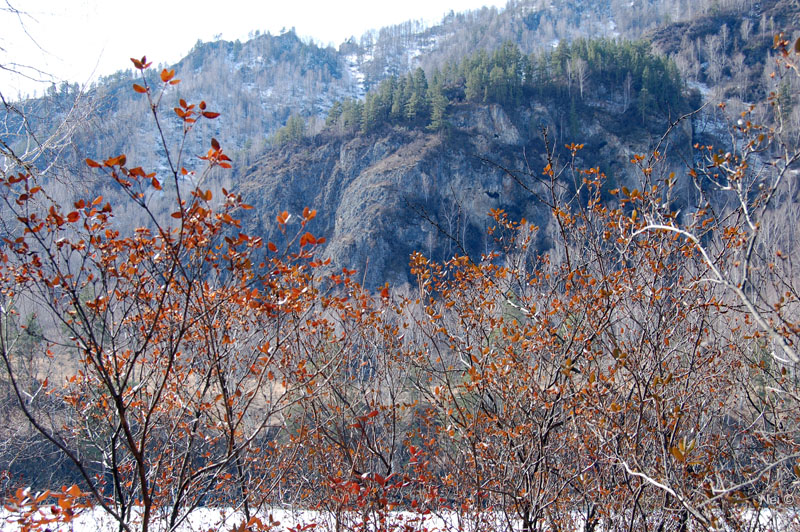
77,40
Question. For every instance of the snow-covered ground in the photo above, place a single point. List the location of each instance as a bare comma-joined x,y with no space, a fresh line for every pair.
216,520
705,91
281,520
356,75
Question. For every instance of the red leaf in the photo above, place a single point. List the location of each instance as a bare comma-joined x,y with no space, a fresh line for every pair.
272,247
210,114
214,143
156,184
307,238
73,217
182,102
139,88
167,75
254,521
92,164
115,161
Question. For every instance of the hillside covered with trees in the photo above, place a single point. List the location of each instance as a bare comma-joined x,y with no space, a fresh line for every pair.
511,289
595,70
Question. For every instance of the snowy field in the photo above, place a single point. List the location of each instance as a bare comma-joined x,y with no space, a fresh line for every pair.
216,520
208,520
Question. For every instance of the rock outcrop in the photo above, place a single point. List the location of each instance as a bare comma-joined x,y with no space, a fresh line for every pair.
382,196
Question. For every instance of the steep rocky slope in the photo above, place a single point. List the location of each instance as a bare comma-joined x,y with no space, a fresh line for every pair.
382,196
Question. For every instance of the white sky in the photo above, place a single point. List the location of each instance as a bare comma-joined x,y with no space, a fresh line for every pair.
79,40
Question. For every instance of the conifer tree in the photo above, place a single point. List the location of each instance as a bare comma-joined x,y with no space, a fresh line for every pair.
438,103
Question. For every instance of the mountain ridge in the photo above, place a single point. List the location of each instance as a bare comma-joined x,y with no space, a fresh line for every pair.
259,85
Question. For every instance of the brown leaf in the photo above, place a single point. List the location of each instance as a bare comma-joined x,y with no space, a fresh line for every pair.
677,454
114,161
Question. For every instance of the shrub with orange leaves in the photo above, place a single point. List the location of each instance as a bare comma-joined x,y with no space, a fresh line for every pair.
175,333
641,374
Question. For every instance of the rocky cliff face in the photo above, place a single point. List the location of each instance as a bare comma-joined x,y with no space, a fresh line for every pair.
382,196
